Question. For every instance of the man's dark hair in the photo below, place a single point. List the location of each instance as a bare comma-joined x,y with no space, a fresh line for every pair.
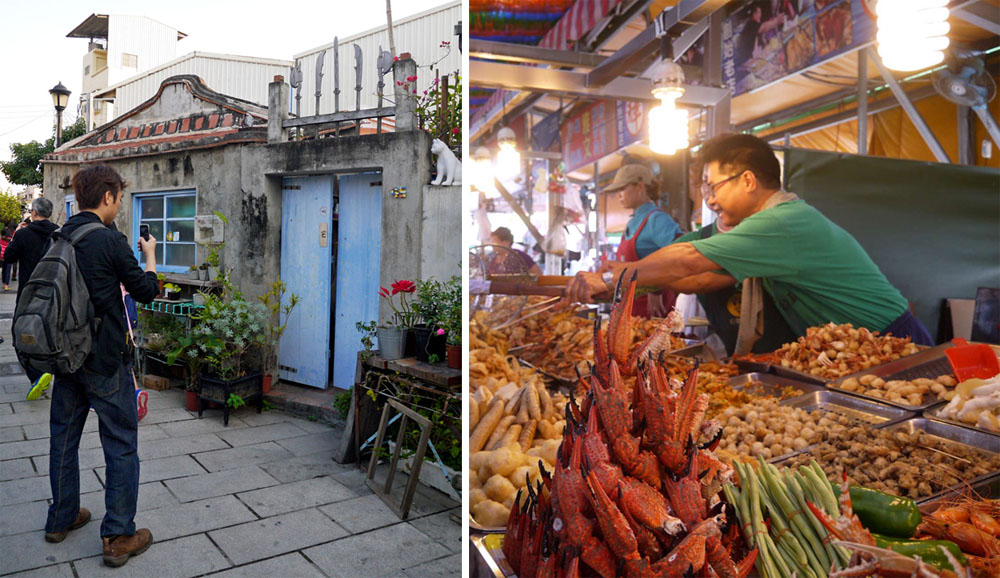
42,206
743,152
91,182
504,234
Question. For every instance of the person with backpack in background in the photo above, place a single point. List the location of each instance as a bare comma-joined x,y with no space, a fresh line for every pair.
26,249
103,262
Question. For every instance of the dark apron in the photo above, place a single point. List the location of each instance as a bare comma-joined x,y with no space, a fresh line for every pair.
722,308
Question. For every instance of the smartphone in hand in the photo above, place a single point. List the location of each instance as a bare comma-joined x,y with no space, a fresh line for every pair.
144,232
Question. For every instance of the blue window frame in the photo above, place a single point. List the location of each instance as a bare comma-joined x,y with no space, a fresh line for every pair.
70,205
170,217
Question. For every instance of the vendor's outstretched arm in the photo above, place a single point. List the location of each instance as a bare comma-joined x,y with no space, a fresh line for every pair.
704,283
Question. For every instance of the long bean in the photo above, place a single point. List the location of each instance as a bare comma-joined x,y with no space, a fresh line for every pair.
795,515
785,535
825,555
764,543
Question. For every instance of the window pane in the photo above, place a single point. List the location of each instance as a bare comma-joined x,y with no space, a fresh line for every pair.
159,253
181,231
152,208
179,255
180,207
155,229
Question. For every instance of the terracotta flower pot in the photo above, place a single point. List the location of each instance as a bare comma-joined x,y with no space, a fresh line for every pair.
191,400
455,356
267,383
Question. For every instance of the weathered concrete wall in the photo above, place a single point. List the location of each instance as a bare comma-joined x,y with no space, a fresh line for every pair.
441,249
213,174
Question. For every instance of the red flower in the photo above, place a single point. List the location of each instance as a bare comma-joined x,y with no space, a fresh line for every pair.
383,292
411,78
454,130
403,287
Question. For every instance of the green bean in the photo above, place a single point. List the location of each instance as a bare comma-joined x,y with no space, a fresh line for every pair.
779,523
816,532
760,535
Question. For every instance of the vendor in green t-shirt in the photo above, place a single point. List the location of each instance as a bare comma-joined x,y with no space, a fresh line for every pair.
814,270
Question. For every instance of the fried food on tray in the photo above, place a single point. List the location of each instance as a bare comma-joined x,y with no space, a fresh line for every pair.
831,351
913,393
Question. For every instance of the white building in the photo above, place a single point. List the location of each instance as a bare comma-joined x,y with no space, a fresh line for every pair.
421,35
243,77
119,46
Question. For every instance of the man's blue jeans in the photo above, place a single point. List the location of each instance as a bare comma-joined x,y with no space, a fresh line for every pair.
113,398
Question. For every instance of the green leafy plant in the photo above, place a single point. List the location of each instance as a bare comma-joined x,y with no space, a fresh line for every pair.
269,339
267,406
450,310
171,288
235,401
342,402
187,350
433,358
367,331
228,326
161,277
430,296
405,314
440,112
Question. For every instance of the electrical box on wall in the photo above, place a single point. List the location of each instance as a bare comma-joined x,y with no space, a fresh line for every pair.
209,229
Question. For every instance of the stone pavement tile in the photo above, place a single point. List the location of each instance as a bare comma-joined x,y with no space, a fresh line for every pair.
27,490
168,447
25,449
179,429
180,558
252,418
440,568
242,456
89,459
14,386
32,417
220,483
295,496
194,517
265,433
169,415
5,409
388,551
14,396
278,535
20,518
361,514
90,440
311,444
305,467
37,406
161,402
15,469
30,550
12,434
352,477
41,428
288,566
311,426
164,469
56,571
151,496
442,529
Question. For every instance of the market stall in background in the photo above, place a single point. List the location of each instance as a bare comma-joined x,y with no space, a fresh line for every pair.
616,445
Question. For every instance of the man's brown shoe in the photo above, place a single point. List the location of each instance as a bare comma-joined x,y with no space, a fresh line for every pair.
118,549
81,519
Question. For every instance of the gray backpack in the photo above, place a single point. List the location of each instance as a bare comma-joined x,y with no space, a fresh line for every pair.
54,325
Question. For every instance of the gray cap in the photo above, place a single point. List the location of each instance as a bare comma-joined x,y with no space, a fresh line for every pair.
629,174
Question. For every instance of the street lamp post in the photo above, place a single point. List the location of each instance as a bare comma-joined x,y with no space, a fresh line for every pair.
60,98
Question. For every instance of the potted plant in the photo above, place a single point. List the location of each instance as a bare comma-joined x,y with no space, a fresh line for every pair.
203,272
271,336
161,279
193,272
212,261
171,291
450,319
428,305
228,326
368,333
187,350
392,333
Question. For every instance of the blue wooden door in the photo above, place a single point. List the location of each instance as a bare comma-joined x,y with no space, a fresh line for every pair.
359,257
306,252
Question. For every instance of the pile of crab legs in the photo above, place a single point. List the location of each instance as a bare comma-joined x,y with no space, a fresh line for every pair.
633,494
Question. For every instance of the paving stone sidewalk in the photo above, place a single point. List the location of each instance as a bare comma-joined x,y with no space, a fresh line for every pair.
261,497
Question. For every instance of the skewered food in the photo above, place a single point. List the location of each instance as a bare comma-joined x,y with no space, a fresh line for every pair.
831,351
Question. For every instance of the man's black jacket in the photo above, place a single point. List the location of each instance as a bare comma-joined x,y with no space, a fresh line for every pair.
26,249
105,260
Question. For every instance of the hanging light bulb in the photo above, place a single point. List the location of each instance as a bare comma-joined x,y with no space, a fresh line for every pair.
508,159
668,125
912,34
482,170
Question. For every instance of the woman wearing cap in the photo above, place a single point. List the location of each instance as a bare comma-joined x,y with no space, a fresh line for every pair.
648,230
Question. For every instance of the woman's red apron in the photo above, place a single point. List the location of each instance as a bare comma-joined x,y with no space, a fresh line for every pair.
627,252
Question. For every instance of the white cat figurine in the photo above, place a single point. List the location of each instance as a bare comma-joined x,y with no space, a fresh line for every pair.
449,168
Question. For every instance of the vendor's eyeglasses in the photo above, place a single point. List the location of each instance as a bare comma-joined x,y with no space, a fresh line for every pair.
708,190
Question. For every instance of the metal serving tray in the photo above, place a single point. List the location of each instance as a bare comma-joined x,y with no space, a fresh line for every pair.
936,414
489,560
779,369
870,413
929,363
770,384
987,487
476,527
900,366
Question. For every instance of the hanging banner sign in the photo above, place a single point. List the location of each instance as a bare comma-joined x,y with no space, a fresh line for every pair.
589,135
763,42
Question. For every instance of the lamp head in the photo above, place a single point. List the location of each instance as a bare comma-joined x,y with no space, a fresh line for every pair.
60,96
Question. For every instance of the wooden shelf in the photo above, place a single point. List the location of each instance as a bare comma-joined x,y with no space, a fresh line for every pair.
183,279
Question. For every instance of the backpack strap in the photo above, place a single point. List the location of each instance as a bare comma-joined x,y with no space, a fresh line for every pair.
81,232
